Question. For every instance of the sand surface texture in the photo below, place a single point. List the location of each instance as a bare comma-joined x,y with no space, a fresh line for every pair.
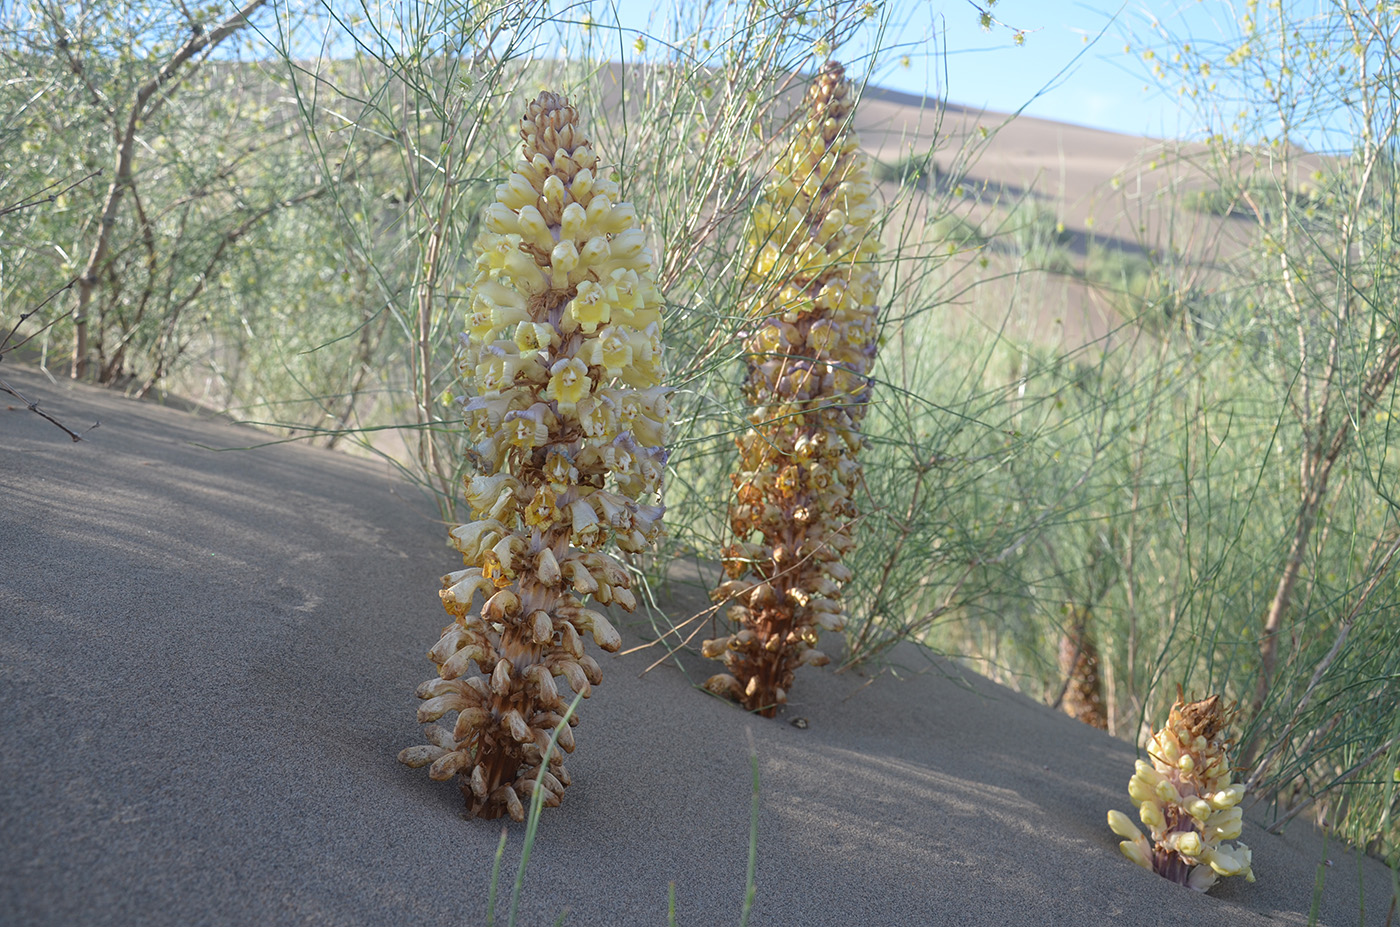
207,664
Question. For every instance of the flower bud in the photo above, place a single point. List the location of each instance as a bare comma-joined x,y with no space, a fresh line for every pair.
460,662
448,765
1122,825
1151,814
478,782
714,649
500,678
420,755
516,192
723,685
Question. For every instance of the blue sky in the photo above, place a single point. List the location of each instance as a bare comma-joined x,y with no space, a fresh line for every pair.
1086,62
1072,65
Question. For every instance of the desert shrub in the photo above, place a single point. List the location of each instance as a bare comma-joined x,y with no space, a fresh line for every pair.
1252,197
1035,233
958,232
917,170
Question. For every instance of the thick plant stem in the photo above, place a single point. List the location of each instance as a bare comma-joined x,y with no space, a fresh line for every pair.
1317,473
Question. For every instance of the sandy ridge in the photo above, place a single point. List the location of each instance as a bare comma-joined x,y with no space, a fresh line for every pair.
206,668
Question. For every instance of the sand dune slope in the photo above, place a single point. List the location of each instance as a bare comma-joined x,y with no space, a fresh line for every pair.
207,661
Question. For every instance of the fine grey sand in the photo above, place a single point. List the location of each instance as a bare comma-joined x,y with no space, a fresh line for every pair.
207,665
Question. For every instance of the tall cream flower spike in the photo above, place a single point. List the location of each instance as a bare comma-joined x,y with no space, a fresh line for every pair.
811,293
1186,799
562,364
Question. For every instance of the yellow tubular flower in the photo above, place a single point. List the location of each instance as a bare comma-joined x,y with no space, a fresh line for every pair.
560,259
1186,799
810,296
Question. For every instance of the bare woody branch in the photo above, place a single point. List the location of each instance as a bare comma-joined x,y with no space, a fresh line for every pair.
33,406
146,103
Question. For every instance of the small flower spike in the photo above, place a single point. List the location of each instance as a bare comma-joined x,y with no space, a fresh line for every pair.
1079,664
562,366
1186,799
811,298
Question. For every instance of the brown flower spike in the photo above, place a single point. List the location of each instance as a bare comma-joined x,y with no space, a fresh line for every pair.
811,294
562,364
1079,664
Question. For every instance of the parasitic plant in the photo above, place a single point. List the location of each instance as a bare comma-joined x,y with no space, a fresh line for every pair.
1079,664
810,299
562,365
1186,799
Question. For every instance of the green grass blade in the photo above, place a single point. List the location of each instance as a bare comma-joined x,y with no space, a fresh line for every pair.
536,806
750,887
495,880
